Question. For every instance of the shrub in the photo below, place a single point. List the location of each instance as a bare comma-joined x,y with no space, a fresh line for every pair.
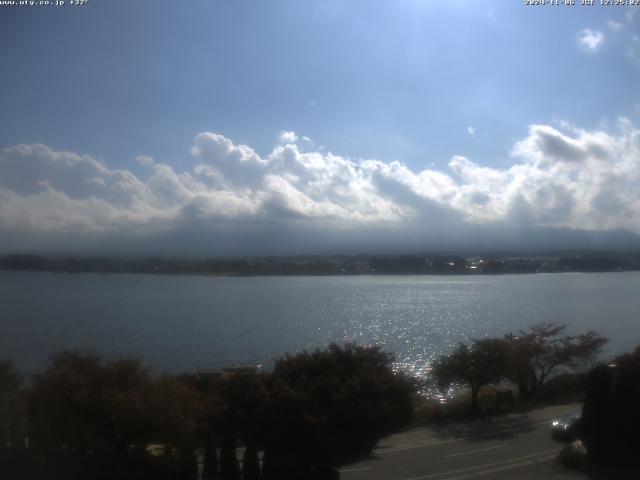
574,456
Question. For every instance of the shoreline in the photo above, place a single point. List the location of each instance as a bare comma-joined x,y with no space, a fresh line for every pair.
504,263
309,274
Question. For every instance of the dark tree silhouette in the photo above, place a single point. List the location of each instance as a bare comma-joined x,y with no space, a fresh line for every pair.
229,468
536,354
480,364
210,459
243,397
331,406
90,418
10,380
250,463
88,406
175,410
12,419
611,418
93,419
10,408
188,465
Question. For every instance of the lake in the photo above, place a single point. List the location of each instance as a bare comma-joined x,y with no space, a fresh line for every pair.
186,323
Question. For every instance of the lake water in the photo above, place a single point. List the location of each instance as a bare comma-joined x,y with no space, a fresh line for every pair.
186,323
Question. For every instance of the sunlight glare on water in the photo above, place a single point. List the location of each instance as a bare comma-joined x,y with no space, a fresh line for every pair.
180,323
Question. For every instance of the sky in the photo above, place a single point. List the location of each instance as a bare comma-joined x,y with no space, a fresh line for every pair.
279,126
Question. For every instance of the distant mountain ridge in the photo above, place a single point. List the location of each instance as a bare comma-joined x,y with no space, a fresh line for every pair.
458,238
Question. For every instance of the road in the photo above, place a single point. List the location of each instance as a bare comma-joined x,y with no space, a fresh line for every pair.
516,446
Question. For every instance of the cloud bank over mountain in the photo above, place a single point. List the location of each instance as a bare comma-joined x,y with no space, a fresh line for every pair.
297,198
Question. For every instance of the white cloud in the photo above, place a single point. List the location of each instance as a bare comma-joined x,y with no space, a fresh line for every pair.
226,164
288,137
471,130
144,160
590,40
615,26
559,177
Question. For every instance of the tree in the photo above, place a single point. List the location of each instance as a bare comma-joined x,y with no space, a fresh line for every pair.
175,409
480,364
210,460
535,355
91,418
250,463
188,464
610,416
243,397
331,406
10,383
229,467
89,406
11,411
235,410
10,380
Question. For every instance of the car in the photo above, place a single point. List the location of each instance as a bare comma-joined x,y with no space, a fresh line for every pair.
566,428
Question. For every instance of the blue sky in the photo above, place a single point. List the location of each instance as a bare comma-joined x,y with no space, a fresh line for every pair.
390,80
415,81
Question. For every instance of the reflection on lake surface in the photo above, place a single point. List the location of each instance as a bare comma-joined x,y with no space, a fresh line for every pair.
184,323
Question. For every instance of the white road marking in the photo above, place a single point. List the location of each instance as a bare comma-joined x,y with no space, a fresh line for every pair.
355,469
469,452
410,446
502,462
502,469
426,443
